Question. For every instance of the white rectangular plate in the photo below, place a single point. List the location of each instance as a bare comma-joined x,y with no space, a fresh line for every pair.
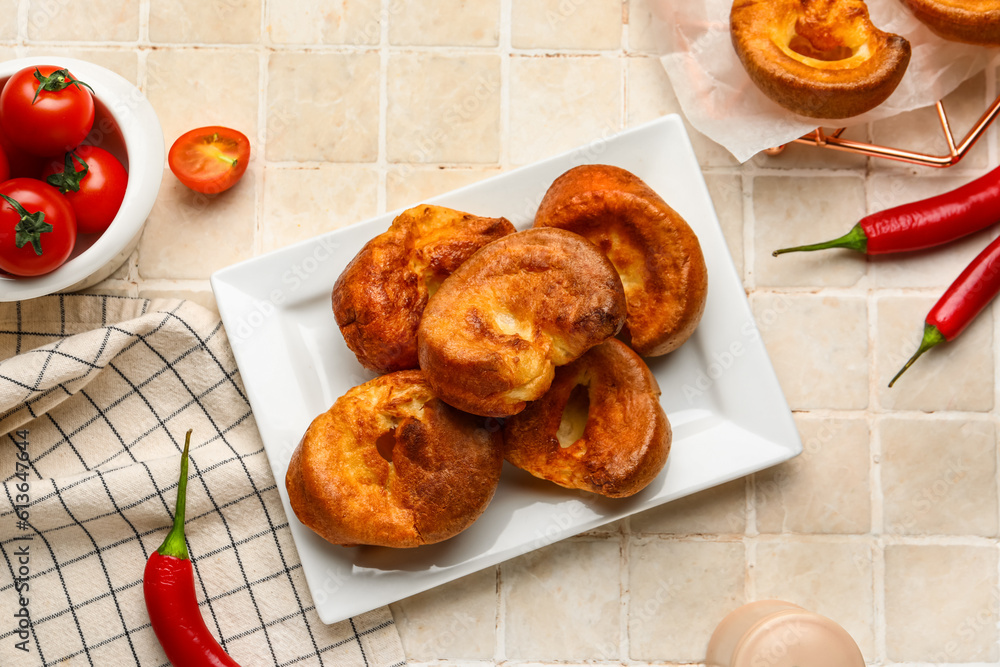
720,392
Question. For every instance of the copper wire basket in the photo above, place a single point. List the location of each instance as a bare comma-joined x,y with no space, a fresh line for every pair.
956,150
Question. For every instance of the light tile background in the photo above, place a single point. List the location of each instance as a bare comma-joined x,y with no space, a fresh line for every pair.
887,523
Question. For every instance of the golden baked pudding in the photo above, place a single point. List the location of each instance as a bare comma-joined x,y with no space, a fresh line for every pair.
818,58
651,246
391,465
495,330
379,298
599,428
971,21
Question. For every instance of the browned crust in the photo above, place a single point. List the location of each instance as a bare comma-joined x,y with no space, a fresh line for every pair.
493,333
817,92
379,298
970,21
651,246
445,467
627,436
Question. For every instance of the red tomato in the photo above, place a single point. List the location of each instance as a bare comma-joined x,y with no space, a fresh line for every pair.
39,232
4,166
46,110
22,163
93,181
210,159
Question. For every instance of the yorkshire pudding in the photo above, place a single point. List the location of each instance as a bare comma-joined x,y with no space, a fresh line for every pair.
495,330
651,246
380,296
971,21
818,58
599,427
391,465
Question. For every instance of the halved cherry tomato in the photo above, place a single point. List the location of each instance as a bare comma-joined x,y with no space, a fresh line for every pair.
210,159
93,181
46,110
37,227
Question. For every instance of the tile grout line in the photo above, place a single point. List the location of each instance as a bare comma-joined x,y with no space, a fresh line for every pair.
382,153
505,52
263,84
876,530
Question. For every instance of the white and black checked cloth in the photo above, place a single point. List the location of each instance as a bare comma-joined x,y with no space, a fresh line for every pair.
106,387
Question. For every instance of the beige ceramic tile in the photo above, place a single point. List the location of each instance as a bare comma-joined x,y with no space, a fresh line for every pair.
790,211
920,130
190,235
410,185
197,21
97,21
727,196
445,22
8,26
819,348
453,621
195,88
833,579
335,122
826,488
957,375
721,509
202,295
679,591
125,63
563,601
323,22
547,97
957,494
941,603
303,203
650,96
566,24
443,108
934,267
643,27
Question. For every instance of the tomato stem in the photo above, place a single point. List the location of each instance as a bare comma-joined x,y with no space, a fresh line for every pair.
30,228
56,81
174,544
69,178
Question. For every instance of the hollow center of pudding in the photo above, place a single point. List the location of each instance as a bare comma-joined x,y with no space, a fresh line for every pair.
574,416
385,443
804,47
827,34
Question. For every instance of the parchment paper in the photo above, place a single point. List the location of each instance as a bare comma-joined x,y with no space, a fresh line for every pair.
721,101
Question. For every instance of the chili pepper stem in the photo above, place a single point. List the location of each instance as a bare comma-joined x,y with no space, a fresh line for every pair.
932,336
174,545
856,239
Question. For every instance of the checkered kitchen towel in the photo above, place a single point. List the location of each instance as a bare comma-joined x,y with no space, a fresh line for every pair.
96,394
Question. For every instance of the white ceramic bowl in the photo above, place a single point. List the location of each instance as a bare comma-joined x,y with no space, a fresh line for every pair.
126,125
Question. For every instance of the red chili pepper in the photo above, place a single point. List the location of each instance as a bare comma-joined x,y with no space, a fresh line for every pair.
922,224
168,586
965,298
